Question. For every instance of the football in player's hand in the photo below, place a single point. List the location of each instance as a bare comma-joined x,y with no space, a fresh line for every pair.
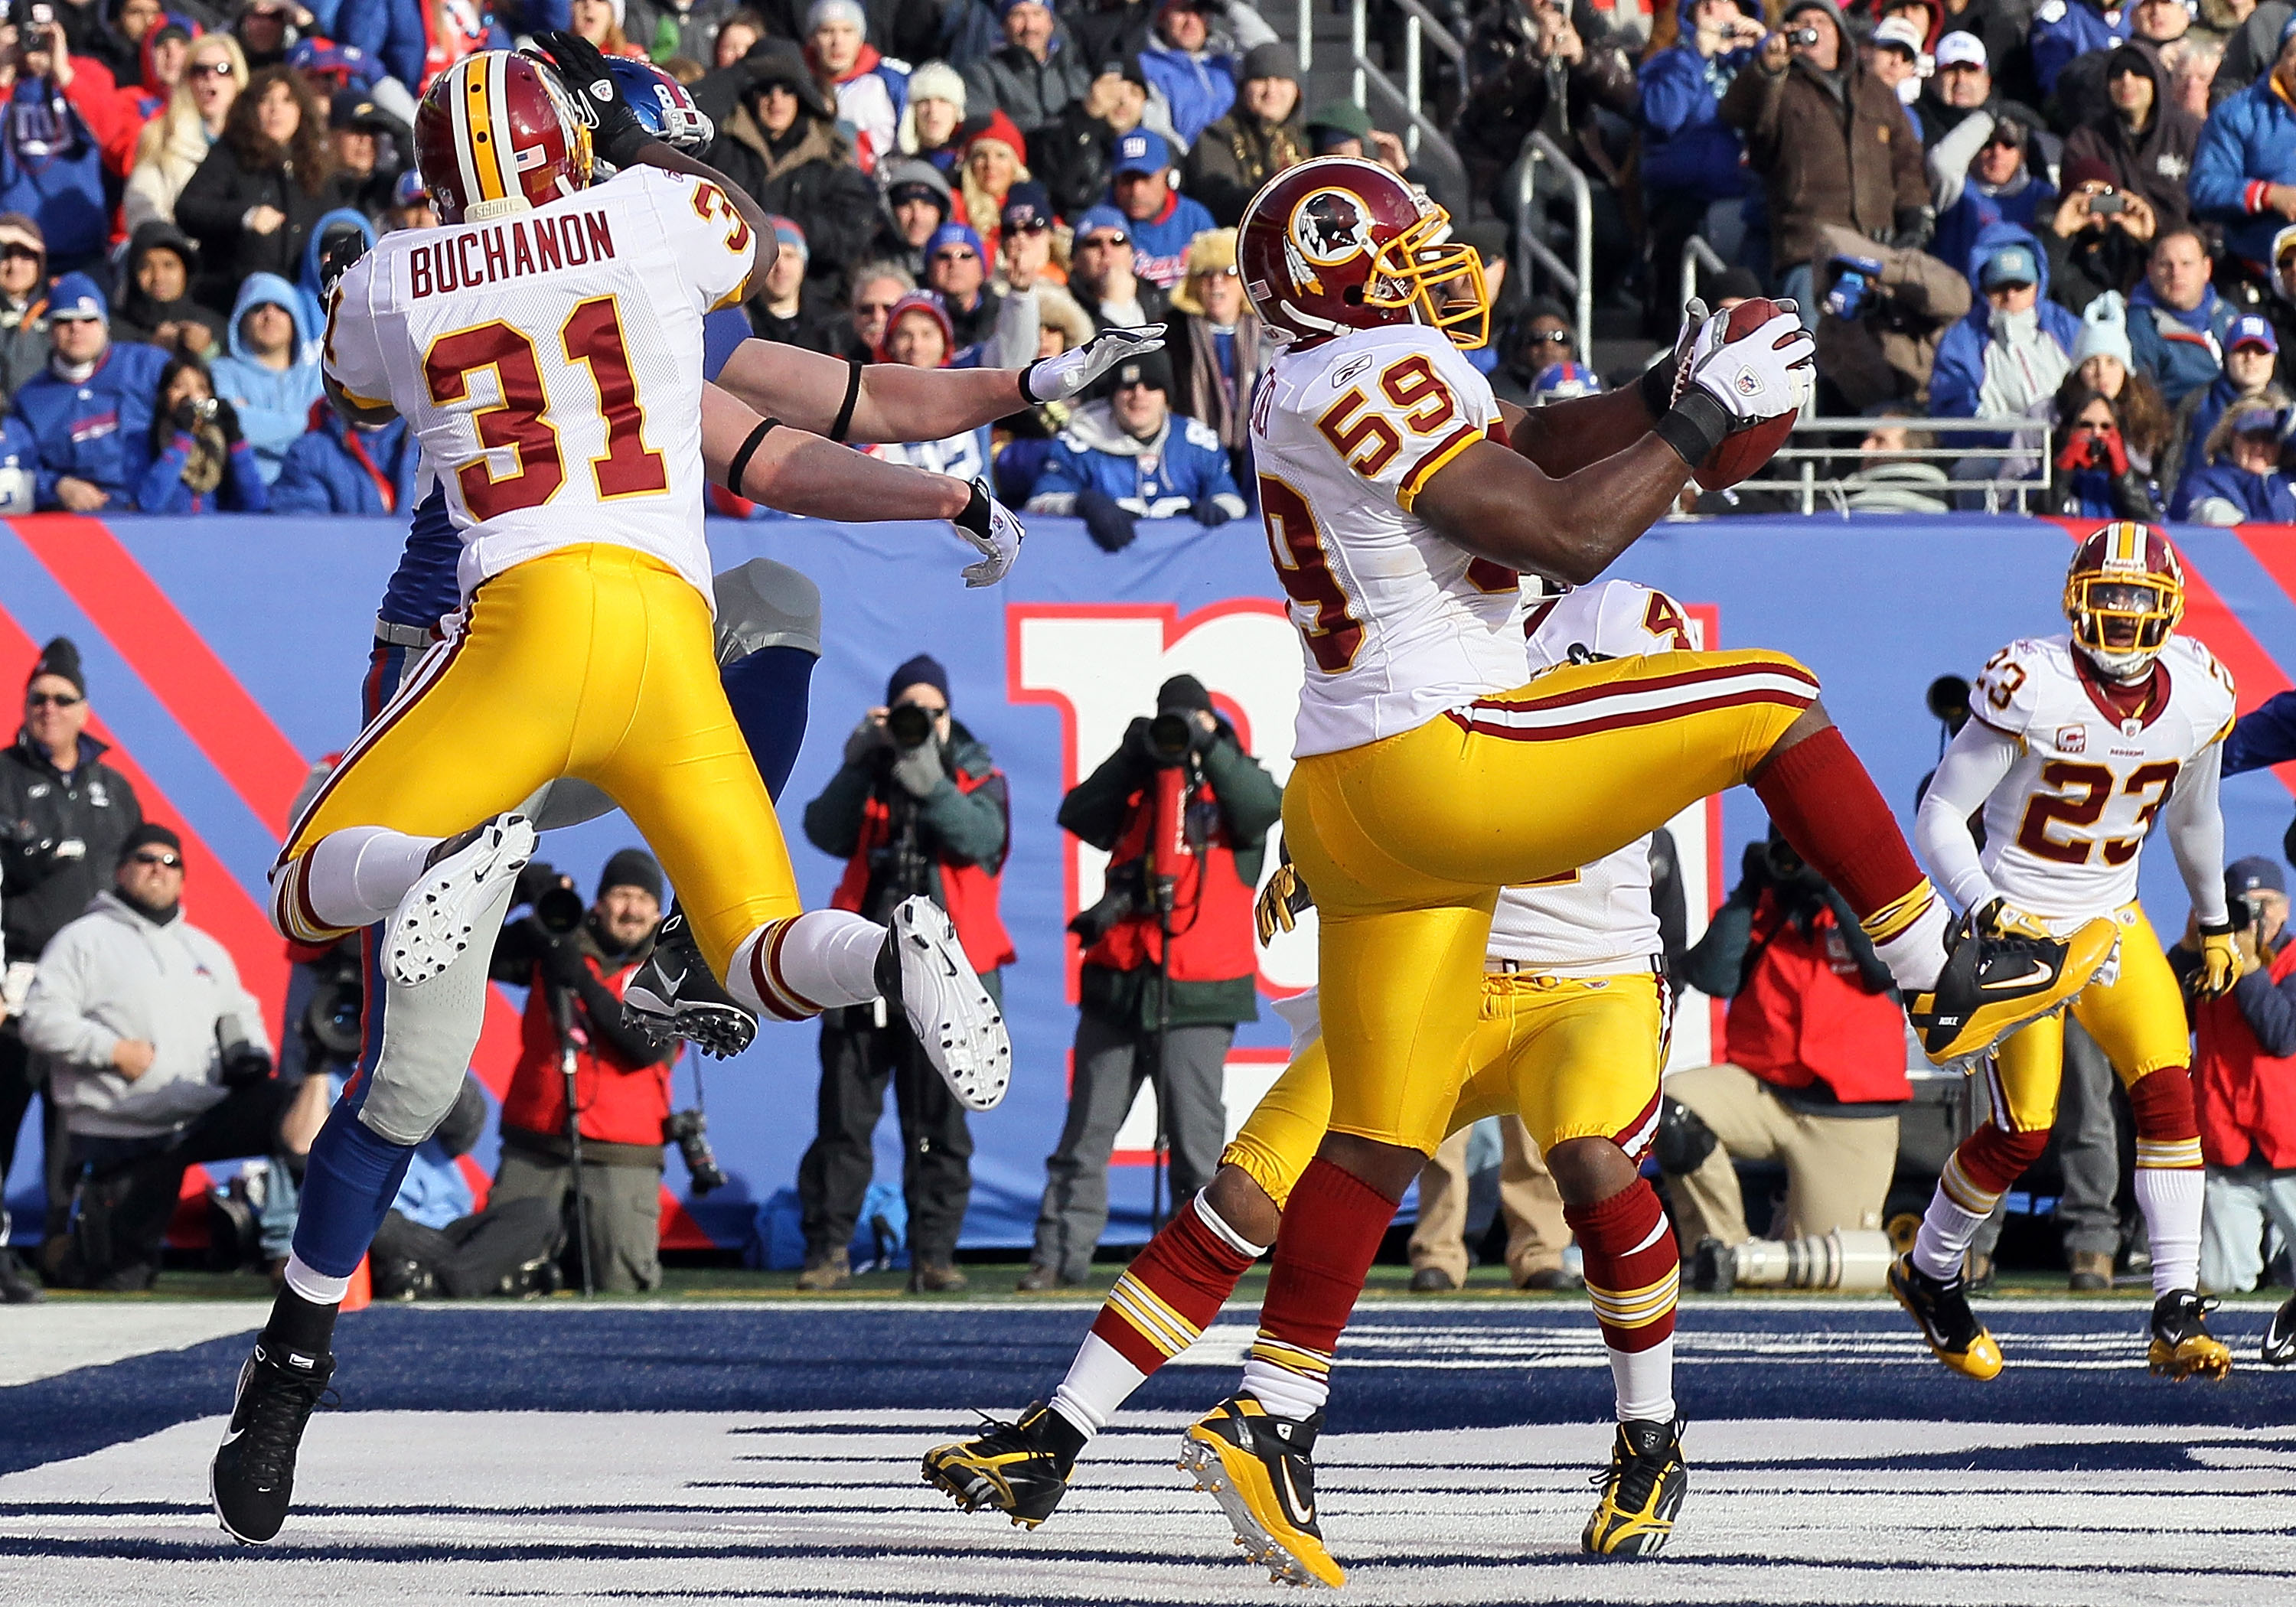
1744,451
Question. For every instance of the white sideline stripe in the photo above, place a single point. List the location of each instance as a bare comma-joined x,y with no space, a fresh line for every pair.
57,1336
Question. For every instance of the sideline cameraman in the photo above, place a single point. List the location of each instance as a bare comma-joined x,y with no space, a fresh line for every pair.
1208,981
918,807
576,963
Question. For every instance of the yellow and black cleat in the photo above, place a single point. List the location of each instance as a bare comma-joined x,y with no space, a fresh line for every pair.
1996,982
1941,1310
1261,1469
2182,1345
1641,1490
1021,1469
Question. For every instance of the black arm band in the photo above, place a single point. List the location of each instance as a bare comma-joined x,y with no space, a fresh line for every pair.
2216,929
1658,386
852,395
739,466
1693,426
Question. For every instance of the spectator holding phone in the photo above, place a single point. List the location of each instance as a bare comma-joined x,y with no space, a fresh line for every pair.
202,461
2099,238
50,161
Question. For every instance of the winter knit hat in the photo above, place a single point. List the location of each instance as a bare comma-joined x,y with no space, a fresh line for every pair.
1183,695
923,671
2104,332
61,657
836,10
149,834
632,867
937,81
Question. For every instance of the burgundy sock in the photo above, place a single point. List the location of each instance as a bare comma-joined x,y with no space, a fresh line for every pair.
1171,1291
1993,1157
1331,1228
1633,1265
1829,809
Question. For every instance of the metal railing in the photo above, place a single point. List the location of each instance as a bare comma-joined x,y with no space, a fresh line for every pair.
1577,278
1984,472
1421,136
1697,258
1306,50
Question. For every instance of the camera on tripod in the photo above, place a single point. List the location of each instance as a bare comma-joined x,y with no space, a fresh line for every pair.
689,1130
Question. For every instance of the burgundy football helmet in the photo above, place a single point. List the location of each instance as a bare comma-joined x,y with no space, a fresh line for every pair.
2124,594
1338,244
497,134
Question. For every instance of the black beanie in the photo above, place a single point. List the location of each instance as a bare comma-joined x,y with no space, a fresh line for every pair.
632,867
1183,693
61,657
923,671
149,834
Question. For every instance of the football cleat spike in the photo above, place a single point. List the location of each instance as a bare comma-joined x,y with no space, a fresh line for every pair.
1641,1490
923,970
1941,1311
1994,983
1261,1469
1021,1469
440,916
2182,1346
675,996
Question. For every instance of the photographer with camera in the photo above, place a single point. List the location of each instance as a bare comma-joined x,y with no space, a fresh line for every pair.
575,964
157,1058
1816,1075
51,159
1182,813
918,807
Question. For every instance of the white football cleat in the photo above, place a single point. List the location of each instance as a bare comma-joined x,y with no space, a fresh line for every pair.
439,917
958,1025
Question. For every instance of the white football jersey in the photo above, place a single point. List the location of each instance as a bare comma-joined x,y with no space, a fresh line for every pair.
1597,920
2064,828
1398,623
550,364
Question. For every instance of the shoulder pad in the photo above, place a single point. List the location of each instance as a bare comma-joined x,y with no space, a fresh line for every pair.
2007,691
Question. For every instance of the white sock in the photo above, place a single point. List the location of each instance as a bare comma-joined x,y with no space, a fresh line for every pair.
1099,1381
1916,954
2170,1198
1282,1391
1956,1211
313,1285
1644,1380
356,876
818,961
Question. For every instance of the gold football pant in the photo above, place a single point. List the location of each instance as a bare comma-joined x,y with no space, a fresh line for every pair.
2138,1021
1407,840
595,661
1575,1057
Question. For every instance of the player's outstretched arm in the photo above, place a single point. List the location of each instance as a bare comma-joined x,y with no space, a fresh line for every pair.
796,472
891,402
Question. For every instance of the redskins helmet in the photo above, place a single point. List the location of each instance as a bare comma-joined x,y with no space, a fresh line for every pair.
497,134
2124,594
1338,244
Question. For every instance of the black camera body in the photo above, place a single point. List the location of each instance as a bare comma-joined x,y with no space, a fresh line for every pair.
689,1130
1803,36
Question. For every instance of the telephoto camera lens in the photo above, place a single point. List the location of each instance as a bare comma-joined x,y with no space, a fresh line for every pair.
909,724
1169,735
558,911
689,1130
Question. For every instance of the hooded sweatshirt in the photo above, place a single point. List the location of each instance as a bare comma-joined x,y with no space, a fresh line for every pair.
306,279
116,973
275,404
1164,477
139,314
2154,162
1685,143
1994,364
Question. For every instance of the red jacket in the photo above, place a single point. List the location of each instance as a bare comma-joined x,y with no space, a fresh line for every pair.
1212,923
970,892
2246,1098
1805,1015
621,1100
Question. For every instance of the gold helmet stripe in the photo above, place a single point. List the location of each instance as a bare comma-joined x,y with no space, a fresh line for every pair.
485,123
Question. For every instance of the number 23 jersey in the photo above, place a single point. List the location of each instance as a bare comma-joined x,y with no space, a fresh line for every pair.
550,364
2065,827
1398,625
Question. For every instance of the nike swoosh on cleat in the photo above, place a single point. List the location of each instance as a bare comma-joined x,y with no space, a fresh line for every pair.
1307,1514
2040,973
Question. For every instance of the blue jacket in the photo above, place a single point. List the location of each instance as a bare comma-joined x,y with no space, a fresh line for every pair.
2181,351
1159,246
275,406
425,587
1959,374
2248,140
99,430
1160,477
2065,28
2261,498
162,489
315,306
1200,87
1960,224
63,188
2264,735
2206,414
337,468
392,31
1685,143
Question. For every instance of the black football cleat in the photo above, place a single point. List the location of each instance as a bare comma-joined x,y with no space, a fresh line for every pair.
2280,1337
2182,1346
1021,1469
674,995
1995,982
1641,1490
1261,1469
252,1479
1941,1310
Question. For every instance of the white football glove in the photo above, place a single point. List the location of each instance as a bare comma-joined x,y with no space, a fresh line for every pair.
1695,319
1057,379
989,528
1760,377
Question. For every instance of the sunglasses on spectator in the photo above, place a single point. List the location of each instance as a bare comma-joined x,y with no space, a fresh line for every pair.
954,253
1107,238
1540,337
172,862
61,699
25,251
221,69
2005,142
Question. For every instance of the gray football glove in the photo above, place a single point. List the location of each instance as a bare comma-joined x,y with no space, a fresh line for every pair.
1057,379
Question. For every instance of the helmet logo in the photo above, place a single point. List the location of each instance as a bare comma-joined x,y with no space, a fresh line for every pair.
1328,227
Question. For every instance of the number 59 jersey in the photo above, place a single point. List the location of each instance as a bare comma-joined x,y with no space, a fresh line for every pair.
1398,623
550,364
2065,827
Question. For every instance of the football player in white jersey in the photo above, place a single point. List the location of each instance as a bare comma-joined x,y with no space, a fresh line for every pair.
544,346
1428,778
2076,743
1571,1035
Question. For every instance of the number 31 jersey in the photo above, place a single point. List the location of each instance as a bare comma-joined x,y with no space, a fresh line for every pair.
1398,623
550,364
2064,829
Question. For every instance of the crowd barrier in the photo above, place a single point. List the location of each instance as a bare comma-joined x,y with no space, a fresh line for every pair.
224,655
